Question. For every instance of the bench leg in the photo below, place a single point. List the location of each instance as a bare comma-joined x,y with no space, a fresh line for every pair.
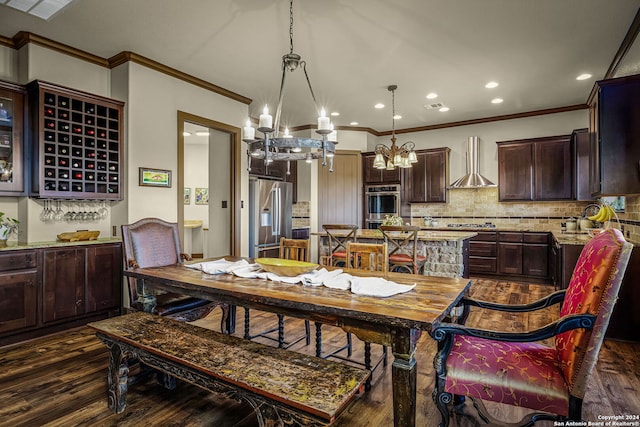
118,376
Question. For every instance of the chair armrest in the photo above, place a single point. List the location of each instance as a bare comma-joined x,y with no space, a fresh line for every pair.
574,321
549,300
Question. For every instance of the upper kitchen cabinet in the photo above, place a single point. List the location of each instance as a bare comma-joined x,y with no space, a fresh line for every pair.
426,180
614,136
12,109
378,176
580,142
535,169
77,142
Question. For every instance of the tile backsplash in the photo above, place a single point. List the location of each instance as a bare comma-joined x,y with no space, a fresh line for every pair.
300,214
479,205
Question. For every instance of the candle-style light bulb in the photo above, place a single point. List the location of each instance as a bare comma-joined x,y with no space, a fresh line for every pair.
323,121
266,121
249,131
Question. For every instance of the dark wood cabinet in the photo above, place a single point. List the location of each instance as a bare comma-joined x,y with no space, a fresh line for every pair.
51,289
581,161
483,253
614,132
510,250
378,176
12,159
426,180
77,144
535,254
535,169
18,284
63,283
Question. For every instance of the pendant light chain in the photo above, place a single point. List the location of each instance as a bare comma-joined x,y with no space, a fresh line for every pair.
291,26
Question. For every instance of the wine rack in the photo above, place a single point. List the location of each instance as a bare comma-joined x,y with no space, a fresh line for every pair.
77,144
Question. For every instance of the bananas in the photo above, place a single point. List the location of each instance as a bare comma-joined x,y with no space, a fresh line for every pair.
606,213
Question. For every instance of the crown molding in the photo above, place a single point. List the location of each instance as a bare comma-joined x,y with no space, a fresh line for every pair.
23,38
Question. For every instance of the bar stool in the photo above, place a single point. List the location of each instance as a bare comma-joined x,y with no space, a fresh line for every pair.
297,250
339,235
403,243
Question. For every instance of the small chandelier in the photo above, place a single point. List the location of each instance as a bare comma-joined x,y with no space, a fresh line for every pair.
391,157
287,147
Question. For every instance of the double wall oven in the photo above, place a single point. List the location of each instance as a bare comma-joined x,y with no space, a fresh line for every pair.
381,200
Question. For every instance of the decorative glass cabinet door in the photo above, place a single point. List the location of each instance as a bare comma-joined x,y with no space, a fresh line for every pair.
11,139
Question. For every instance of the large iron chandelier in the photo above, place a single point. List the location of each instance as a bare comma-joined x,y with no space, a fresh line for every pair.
391,157
271,146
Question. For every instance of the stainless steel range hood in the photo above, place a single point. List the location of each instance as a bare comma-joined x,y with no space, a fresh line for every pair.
472,179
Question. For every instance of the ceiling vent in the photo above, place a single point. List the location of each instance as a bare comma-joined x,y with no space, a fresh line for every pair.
434,106
472,179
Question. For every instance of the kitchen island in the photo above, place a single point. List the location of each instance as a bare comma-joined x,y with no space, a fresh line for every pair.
447,252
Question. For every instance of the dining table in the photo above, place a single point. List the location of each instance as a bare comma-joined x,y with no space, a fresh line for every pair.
395,321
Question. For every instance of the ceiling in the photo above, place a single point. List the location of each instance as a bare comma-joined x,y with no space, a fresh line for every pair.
356,48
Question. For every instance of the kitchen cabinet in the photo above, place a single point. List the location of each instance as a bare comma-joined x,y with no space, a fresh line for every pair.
535,254
426,180
77,144
614,131
372,175
46,290
483,253
510,252
581,160
18,284
535,169
12,112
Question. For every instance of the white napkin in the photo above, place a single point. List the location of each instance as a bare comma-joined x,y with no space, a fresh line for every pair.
319,277
339,281
219,266
377,287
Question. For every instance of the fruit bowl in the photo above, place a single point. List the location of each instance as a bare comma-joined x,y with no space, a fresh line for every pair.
285,267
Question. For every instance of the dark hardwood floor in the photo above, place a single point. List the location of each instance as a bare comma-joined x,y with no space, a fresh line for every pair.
60,380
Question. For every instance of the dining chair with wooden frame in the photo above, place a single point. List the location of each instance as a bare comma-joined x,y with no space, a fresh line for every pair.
403,248
291,249
339,235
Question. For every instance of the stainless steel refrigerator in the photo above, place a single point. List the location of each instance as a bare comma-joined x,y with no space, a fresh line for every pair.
270,211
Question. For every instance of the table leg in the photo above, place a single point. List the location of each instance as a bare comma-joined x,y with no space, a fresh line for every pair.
231,320
403,375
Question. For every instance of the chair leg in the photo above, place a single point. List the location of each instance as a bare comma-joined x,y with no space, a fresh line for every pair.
247,322
318,339
307,330
442,400
280,331
349,344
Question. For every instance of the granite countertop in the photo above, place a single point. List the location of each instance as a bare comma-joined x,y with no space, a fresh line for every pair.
14,246
432,235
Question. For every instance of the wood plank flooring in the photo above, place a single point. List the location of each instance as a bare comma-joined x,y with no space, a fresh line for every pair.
60,380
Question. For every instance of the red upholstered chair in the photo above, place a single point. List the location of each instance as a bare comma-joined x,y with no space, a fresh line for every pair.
402,241
516,369
153,242
339,235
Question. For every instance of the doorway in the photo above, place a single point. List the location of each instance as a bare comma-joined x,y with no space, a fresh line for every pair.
209,186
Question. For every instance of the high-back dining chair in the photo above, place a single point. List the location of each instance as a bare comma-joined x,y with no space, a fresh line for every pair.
403,248
292,249
516,369
368,256
339,235
153,242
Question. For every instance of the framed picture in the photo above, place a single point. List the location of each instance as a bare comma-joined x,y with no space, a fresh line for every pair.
154,177
187,196
202,196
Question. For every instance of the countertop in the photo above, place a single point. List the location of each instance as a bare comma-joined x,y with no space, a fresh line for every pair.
15,246
426,235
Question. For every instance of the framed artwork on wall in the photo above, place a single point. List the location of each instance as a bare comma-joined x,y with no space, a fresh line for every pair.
187,196
202,196
154,177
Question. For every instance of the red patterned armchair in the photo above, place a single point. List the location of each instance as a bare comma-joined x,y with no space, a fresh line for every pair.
515,369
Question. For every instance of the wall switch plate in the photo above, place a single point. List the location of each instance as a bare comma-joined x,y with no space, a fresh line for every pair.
224,204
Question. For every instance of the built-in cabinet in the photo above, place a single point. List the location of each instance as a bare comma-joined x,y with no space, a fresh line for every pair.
581,160
77,144
535,169
614,132
510,254
372,175
12,113
50,289
426,180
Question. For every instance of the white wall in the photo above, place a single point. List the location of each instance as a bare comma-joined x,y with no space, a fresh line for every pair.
8,64
489,133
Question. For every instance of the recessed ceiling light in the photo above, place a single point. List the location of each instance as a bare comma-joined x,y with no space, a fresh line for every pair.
491,85
584,76
397,117
497,100
432,95
354,123
335,114
379,105
203,133
443,109
185,133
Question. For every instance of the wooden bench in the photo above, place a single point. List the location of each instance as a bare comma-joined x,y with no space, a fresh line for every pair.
292,388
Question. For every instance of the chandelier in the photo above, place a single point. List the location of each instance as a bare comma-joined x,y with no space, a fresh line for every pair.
271,146
391,157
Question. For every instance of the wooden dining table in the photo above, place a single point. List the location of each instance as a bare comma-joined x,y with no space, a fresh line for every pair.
396,321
